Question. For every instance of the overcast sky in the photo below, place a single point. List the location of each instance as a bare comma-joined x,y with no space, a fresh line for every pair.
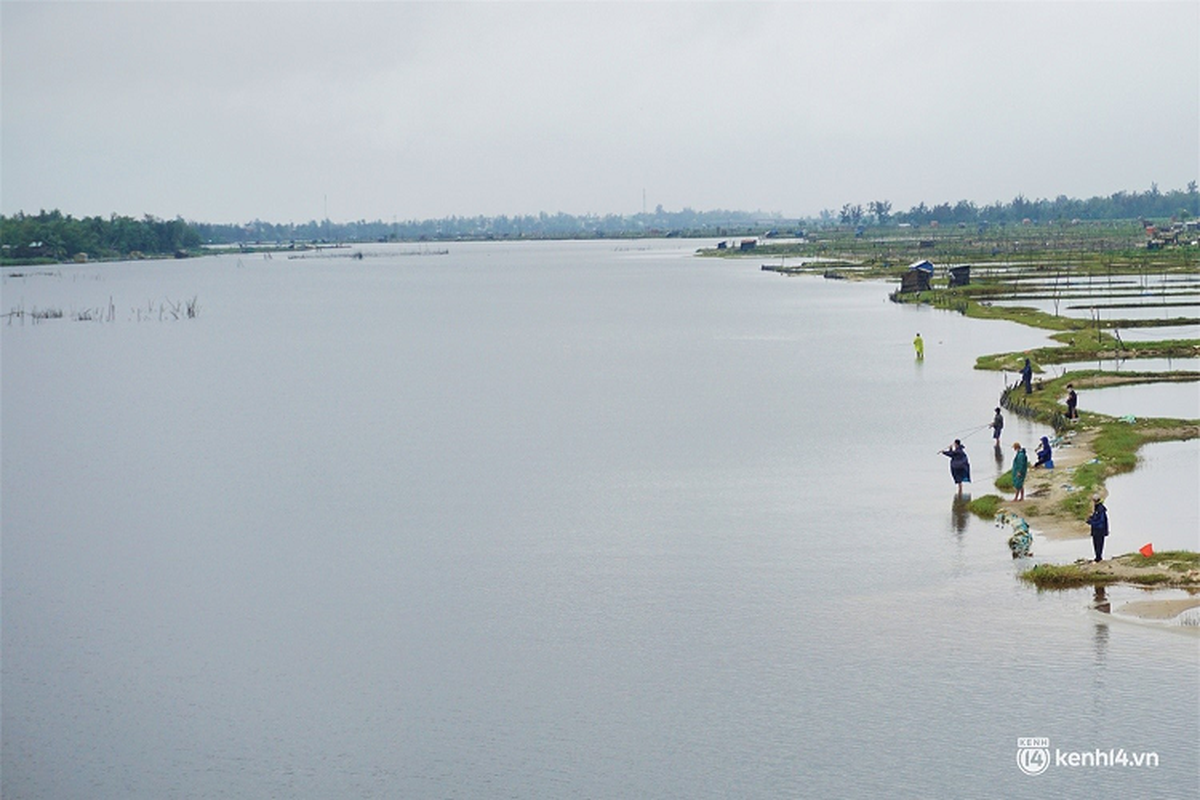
226,112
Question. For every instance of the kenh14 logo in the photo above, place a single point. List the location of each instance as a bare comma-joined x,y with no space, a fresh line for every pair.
1033,754
1034,757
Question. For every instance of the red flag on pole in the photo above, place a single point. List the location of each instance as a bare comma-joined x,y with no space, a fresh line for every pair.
1147,549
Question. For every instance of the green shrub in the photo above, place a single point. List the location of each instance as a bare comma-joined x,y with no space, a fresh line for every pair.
985,507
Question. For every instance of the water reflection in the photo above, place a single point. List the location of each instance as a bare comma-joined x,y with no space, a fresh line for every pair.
1100,642
1100,601
998,454
959,515
1100,635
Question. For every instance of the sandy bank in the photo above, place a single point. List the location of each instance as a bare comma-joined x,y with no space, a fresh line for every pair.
1045,489
1163,570
1045,492
1158,609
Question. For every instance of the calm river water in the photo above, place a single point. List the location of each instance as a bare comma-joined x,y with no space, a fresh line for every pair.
593,519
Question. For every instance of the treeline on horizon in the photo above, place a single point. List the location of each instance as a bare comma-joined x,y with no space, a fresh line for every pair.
1150,204
55,236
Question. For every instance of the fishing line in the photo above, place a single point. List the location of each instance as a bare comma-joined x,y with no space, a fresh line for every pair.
977,430
960,435
970,431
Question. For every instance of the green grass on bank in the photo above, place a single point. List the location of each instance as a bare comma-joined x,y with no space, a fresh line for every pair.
985,507
1069,576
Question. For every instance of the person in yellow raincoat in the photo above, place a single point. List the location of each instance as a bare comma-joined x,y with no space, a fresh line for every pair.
919,346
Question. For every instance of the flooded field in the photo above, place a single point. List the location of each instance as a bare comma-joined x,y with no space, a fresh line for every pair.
1173,400
1129,365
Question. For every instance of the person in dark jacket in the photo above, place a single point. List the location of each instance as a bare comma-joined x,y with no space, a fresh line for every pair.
1027,377
1045,456
1099,523
997,426
960,466
1072,403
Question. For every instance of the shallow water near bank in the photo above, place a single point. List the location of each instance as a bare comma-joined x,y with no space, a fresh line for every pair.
536,519
1128,365
1174,400
1130,308
1170,469
1160,333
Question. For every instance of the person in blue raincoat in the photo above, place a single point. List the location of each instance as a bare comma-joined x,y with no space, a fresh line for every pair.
1045,456
1099,523
960,466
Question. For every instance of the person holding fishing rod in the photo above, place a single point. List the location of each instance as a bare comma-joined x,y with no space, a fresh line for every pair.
960,466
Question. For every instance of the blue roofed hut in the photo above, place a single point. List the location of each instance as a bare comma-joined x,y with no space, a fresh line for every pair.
918,277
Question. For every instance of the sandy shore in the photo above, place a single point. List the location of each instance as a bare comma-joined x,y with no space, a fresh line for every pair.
1126,569
1046,489
1157,609
1042,510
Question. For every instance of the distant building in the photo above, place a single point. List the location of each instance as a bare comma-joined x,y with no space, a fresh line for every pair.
918,277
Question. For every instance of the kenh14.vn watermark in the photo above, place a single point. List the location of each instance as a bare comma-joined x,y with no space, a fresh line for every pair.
1035,756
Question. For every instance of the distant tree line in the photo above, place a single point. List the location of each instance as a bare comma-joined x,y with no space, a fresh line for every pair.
530,226
1152,204
51,235
55,236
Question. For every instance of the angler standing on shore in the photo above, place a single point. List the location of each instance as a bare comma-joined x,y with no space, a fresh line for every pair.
1099,522
1027,377
1072,403
1019,469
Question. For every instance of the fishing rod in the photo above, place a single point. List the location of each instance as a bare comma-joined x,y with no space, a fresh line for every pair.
977,430
970,431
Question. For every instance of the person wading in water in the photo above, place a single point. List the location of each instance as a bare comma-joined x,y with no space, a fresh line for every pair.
960,466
